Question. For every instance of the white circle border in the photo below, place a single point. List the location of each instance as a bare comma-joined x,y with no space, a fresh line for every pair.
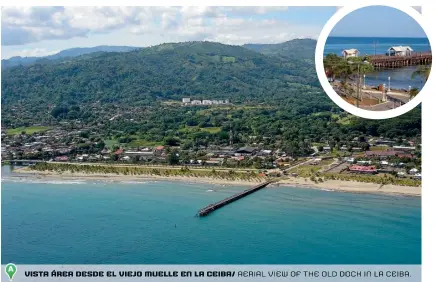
319,62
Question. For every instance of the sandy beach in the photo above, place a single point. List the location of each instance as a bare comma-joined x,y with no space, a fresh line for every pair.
353,186
329,185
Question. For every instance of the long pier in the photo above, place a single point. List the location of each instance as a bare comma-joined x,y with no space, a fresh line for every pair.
210,208
414,59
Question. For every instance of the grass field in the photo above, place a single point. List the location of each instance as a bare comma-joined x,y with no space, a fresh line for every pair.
211,130
28,130
143,143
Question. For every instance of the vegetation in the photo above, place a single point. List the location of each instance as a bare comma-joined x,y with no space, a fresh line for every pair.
27,130
423,72
385,180
150,171
122,98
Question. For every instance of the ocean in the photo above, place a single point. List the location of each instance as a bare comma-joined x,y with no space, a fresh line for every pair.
97,222
400,77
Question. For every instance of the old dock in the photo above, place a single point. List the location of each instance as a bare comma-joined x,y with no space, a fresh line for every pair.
413,59
210,208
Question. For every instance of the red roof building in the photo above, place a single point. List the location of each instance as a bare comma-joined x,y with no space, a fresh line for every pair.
119,151
61,158
362,169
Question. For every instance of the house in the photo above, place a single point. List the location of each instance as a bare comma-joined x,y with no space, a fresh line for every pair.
214,161
195,102
141,155
405,156
413,171
363,169
125,158
404,148
380,154
350,160
186,100
159,148
61,159
207,102
400,51
347,53
246,150
401,174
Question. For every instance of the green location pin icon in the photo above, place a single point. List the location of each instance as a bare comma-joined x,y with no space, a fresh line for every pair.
10,270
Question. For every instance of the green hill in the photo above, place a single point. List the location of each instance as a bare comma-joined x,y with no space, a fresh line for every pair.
135,97
164,72
303,49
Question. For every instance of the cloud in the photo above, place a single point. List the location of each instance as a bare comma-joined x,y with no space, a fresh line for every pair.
36,52
233,25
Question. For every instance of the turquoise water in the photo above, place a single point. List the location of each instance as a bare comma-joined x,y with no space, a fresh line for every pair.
79,222
400,77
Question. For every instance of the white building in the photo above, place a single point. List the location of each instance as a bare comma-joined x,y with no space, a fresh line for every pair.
400,51
413,171
195,102
186,100
347,53
207,102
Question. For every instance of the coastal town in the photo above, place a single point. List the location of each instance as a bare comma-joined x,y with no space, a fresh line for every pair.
378,158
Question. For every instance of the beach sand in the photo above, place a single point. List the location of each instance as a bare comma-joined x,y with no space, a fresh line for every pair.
329,185
353,186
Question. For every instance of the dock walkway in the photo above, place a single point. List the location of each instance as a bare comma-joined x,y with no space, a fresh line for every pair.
210,208
414,59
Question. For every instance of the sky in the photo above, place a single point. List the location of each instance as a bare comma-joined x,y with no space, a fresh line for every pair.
40,31
378,21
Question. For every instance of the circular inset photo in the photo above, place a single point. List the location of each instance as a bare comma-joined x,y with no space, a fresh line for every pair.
375,59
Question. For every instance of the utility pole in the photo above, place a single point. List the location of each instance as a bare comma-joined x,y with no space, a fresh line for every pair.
375,47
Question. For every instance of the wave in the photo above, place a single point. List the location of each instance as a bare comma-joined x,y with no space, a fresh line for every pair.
42,181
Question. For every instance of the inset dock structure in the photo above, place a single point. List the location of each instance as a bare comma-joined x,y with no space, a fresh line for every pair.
413,59
212,207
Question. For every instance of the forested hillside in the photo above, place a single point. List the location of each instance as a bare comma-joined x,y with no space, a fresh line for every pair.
302,49
273,89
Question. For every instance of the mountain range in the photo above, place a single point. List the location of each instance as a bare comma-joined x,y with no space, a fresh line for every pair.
68,53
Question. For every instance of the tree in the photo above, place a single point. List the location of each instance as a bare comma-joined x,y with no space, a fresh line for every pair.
413,92
422,71
173,158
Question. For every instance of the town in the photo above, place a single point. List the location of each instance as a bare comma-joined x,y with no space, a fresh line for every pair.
375,157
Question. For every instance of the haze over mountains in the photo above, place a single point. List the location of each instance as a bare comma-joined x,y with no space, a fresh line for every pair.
68,53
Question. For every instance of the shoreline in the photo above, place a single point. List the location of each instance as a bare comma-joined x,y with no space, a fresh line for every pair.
327,185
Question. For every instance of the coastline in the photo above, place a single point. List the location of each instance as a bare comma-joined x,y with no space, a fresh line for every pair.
298,182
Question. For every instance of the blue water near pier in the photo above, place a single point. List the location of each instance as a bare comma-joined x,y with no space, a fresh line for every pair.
400,77
366,44
94,222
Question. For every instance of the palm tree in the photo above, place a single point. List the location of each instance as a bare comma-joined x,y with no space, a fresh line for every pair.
422,71
413,92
